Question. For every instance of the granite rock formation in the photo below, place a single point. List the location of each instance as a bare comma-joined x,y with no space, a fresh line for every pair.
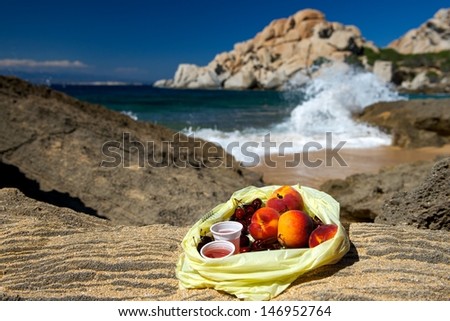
281,50
431,36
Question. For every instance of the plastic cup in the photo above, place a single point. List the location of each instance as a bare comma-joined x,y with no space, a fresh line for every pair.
228,231
217,250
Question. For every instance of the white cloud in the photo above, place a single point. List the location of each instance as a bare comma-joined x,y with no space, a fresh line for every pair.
29,63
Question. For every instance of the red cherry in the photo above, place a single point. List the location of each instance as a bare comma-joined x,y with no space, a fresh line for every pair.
240,213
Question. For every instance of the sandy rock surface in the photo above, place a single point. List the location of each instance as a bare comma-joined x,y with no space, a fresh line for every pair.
51,253
426,206
362,196
414,123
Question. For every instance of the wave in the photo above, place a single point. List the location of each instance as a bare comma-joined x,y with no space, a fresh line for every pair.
326,104
130,114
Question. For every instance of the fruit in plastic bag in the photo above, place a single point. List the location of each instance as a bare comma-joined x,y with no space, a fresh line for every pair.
294,229
321,234
285,198
264,223
260,275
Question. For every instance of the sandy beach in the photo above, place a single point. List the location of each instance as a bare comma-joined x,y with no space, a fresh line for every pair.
315,168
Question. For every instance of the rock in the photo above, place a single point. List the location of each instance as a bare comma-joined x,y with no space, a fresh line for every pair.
426,206
420,81
264,56
431,36
106,163
308,14
243,79
206,79
52,253
185,74
272,80
163,83
342,40
284,47
242,48
414,123
362,196
384,70
291,66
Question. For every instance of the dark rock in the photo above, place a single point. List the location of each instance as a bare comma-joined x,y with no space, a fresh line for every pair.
125,170
414,123
426,206
362,196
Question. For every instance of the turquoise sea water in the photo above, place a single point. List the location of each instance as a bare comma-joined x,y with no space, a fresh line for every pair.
180,109
300,115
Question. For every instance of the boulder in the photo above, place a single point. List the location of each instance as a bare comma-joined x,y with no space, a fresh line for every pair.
185,74
384,70
53,253
206,78
426,206
129,172
243,79
307,14
242,48
272,80
415,123
362,196
341,39
163,83
420,81
431,36
264,56
291,66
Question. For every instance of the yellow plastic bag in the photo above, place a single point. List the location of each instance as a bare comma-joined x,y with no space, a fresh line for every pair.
265,274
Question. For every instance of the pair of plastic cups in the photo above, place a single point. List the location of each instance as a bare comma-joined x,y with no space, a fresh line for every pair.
226,240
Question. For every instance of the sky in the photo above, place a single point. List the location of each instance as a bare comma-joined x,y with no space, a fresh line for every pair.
145,40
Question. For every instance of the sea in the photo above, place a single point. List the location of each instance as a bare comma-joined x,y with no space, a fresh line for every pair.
315,115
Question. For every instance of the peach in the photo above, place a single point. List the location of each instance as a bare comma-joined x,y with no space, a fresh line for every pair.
322,233
285,198
264,223
294,228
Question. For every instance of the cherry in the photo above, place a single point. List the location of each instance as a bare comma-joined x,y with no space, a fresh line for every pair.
267,244
244,241
257,203
249,210
240,213
203,241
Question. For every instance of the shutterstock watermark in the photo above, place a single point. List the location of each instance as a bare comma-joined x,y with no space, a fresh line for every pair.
188,151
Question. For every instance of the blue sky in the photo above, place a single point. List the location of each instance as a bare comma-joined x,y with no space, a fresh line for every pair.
145,40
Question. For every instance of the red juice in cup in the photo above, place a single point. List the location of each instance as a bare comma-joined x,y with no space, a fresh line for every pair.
228,231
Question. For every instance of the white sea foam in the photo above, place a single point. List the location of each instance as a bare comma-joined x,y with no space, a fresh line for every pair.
327,105
130,114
